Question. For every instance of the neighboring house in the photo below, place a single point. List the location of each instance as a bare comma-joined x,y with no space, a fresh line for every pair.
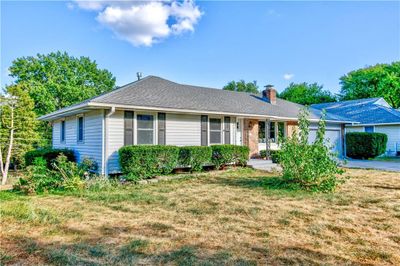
157,111
373,115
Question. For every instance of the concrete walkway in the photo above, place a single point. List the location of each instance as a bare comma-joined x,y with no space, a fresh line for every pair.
371,164
264,165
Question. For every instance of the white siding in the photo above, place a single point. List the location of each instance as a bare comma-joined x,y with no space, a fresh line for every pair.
183,130
91,147
392,131
115,126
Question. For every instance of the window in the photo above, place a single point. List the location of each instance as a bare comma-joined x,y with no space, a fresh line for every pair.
62,133
261,131
145,129
281,129
215,131
272,132
80,129
369,129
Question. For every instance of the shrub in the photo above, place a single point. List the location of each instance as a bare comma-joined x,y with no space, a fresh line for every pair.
240,155
63,175
37,179
311,166
273,153
229,154
364,145
195,156
145,161
49,155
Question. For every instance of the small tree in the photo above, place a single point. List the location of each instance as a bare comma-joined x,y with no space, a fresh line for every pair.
17,127
311,166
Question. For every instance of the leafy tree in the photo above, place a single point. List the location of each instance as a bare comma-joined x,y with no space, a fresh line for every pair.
242,86
309,166
57,80
307,94
381,80
17,127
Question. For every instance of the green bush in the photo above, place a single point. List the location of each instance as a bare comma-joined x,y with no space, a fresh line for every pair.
195,156
63,175
364,145
49,155
309,166
145,161
223,155
240,155
273,153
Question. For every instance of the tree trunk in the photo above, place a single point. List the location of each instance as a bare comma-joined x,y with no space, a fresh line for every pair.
10,145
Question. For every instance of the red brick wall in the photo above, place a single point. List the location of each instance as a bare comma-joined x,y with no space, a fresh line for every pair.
250,136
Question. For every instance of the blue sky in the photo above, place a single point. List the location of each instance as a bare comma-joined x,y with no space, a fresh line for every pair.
211,42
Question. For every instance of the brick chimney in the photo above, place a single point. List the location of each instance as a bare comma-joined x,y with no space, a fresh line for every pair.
269,94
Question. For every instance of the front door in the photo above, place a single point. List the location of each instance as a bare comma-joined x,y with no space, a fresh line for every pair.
239,130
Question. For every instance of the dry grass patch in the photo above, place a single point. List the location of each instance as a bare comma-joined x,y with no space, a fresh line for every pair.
214,218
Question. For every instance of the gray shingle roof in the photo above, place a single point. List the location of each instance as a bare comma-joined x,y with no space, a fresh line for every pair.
156,92
365,111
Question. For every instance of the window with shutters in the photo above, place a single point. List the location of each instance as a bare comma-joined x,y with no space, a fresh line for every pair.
62,133
261,131
145,129
215,131
272,135
80,126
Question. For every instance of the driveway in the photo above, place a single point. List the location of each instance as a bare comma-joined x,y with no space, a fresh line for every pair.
370,164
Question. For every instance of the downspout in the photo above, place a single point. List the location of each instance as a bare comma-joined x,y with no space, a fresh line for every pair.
106,137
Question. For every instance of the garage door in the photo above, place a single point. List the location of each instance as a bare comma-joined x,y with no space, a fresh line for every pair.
333,138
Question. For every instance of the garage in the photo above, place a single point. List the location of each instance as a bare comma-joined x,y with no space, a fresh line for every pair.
332,136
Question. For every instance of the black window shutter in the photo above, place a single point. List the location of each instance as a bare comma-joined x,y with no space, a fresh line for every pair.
128,128
227,129
161,129
204,130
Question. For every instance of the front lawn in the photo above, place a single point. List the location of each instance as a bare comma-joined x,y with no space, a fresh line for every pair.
214,218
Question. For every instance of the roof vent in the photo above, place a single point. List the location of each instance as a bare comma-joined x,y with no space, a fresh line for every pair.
139,75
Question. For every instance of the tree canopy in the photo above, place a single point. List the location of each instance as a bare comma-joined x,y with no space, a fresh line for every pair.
381,80
18,124
57,80
307,94
242,86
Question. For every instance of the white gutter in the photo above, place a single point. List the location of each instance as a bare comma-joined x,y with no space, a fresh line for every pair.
105,141
374,124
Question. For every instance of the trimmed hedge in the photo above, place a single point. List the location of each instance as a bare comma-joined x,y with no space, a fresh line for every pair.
364,145
49,155
145,161
229,154
195,156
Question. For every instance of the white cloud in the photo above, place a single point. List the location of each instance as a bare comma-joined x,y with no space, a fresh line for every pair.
288,76
143,23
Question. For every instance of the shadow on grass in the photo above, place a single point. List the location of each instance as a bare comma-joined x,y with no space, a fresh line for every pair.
133,252
305,256
274,184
